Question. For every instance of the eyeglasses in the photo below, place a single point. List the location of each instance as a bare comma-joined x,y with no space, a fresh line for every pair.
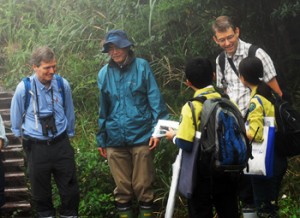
113,48
49,67
228,38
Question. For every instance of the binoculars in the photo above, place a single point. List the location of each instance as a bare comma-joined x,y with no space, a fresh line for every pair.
48,124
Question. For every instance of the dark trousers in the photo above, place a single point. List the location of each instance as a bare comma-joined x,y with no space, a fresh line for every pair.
219,193
57,160
246,192
266,190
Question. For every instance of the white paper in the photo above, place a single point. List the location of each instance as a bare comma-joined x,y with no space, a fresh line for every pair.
163,126
270,121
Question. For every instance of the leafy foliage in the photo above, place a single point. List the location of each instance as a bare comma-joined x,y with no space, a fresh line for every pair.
165,32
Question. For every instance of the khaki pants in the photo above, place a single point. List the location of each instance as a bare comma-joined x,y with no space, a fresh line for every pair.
133,172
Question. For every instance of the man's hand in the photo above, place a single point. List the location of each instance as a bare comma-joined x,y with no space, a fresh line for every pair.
102,152
153,143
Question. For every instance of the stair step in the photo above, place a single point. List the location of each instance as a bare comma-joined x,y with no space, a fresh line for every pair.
14,175
14,190
4,110
13,149
6,94
13,146
6,123
5,113
20,204
20,193
14,162
9,134
5,103
13,140
5,99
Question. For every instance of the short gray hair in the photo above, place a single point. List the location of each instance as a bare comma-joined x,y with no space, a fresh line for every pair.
40,54
222,24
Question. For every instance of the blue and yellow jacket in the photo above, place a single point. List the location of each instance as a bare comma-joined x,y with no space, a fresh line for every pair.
256,114
186,131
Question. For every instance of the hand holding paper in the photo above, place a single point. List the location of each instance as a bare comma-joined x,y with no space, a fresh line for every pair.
163,126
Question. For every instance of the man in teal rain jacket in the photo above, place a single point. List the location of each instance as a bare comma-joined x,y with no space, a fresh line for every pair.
130,106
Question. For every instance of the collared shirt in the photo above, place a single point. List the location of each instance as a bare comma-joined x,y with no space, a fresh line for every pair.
236,90
64,117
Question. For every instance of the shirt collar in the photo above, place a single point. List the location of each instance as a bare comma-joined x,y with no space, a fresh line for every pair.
209,88
40,85
253,92
239,50
129,60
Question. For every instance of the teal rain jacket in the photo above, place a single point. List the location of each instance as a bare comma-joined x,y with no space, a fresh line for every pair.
130,104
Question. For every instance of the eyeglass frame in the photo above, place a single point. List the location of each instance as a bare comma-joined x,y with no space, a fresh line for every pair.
228,38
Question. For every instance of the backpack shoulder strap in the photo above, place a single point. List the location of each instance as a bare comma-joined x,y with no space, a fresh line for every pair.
251,53
224,95
202,96
61,87
190,103
193,115
199,98
207,109
260,102
222,67
252,50
27,85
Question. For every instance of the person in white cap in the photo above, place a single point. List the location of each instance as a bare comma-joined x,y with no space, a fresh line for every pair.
130,106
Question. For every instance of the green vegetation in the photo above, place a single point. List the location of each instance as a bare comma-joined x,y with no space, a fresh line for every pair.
166,33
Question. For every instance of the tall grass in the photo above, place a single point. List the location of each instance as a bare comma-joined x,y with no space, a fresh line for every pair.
165,32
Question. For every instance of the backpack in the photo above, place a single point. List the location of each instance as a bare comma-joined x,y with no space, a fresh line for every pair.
287,141
27,85
251,53
224,145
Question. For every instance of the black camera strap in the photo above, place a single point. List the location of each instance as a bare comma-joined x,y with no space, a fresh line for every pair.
45,128
37,100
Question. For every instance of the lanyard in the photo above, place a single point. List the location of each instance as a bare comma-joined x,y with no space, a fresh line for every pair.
233,66
37,100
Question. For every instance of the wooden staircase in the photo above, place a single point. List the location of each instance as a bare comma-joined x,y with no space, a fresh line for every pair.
17,194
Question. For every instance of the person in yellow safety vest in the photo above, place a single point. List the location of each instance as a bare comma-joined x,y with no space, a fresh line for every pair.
218,191
265,189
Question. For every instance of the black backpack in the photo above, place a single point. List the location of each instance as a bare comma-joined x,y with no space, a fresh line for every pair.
287,141
224,145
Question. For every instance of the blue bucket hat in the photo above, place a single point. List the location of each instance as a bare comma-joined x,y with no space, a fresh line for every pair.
116,37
